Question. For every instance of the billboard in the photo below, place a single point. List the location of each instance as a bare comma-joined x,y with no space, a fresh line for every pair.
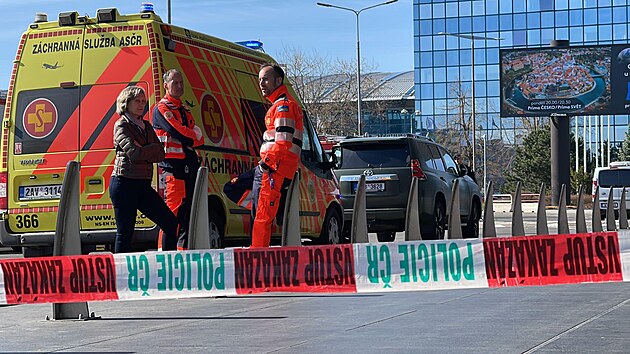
585,80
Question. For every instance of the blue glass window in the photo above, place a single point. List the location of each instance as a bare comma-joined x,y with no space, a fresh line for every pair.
480,54
439,90
492,23
604,3
546,19
478,8
562,33
426,75
619,2
576,35
439,75
427,107
505,6
426,60
439,58
492,55
590,3
575,4
438,10
493,89
465,24
439,25
590,16
480,72
492,7
590,33
426,43
605,15
533,20
452,74
532,5
451,9
506,22
562,4
426,91
546,5
452,57
425,11
619,15
479,24
547,35
575,17
605,32
464,57
519,6
438,43
452,42
480,88
507,38
464,8
533,37
452,25
519,21
493,70
620,32
426,27
562,18
519,38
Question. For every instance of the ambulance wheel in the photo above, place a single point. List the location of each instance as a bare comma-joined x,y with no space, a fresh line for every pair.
331,230
217,229
30,252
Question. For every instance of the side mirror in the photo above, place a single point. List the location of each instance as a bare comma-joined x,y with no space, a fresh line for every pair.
331,160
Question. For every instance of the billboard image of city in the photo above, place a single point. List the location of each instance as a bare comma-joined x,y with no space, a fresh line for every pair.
572,80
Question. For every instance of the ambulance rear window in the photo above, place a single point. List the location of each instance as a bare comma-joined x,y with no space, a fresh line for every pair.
614,178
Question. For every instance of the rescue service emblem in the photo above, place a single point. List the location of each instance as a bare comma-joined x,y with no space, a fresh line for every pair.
212,118
40,118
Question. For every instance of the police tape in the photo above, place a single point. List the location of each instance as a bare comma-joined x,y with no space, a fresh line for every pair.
358,268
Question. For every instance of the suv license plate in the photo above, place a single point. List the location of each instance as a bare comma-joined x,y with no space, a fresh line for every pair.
52,191
371,187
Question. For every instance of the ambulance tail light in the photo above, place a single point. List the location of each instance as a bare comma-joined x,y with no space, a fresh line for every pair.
594,189
416,170
107,15
4,200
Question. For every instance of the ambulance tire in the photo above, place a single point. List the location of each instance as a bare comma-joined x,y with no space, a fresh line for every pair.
217,229
30,252
331,230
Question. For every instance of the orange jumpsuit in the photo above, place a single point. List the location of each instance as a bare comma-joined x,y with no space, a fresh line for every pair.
175,127
280,154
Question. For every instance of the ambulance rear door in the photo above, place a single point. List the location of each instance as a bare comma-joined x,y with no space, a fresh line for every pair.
45,126
115,55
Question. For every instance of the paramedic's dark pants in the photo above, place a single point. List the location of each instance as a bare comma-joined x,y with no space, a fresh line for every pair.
130,195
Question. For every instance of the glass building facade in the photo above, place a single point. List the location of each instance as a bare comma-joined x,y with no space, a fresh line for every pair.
443,65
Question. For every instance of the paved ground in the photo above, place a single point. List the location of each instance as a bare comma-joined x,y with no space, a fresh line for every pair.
572,318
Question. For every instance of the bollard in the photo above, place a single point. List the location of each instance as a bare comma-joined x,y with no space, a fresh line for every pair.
199,226
67,241
596,215
412,220
489,229
610,211
291,235
359,233
580,218
563,220
454,217
623,211
517,213
541,219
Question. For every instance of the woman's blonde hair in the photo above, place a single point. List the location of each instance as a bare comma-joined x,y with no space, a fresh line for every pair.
126,95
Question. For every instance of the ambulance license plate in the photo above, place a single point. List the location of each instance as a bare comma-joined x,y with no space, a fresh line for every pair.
52,191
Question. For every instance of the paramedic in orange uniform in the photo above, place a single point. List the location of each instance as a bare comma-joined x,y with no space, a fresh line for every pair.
279,152
176,129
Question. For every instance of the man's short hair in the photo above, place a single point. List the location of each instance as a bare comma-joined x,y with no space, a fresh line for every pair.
276,68
167,77
125,96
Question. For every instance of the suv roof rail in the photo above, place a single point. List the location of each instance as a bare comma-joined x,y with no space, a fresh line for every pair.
393,135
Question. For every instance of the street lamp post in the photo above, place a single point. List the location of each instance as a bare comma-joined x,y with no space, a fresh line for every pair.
472,38
357,12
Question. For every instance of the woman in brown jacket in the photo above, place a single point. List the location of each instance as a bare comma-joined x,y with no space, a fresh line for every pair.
137,149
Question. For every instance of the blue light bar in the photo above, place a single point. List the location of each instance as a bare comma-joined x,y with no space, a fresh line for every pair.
146,7
255,45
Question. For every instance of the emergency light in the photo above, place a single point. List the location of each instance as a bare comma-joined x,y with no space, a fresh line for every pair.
255,45
146,7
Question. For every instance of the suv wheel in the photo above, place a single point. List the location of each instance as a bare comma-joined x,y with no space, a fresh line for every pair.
471,230
331,230
436,227
387,236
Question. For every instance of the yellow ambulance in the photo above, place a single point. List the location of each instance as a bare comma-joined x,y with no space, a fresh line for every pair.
60,106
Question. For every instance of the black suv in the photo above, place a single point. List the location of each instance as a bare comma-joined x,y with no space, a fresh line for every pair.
389,163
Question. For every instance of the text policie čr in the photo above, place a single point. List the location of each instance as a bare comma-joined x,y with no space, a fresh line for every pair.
175,271
421,263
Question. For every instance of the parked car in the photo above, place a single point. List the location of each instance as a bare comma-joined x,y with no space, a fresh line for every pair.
616,175
389,163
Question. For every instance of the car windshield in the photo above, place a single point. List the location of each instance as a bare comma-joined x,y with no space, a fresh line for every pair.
614,178
375,155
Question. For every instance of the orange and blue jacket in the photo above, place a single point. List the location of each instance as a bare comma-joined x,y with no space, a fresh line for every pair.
282,141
